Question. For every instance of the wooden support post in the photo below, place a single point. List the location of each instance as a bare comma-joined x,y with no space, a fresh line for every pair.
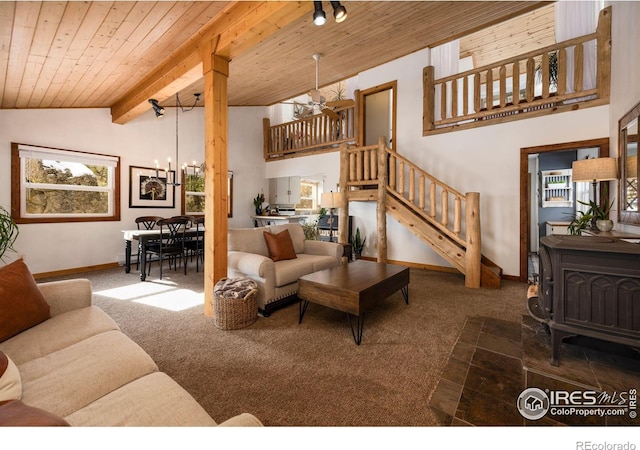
603,45
216,74
381,208
473,254
343,213
266,138
428,99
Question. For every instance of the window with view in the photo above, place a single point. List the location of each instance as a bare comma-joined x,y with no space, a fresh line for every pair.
54,185
193,194
308,195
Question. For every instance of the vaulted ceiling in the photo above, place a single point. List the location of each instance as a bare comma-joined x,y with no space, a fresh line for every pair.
92,54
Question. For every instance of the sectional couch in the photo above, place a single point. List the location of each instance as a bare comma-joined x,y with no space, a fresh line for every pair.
75,364
276,262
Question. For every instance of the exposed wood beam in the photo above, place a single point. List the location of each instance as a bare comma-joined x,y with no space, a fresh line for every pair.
239,27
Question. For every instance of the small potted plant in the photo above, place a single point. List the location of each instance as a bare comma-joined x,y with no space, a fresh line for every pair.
357,244
595,216
8,232
257,203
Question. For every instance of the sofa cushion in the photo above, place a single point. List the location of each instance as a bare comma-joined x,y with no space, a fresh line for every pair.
21,303
279,245
10,382
295,231
14,413
57,333
152,400
250,240
288,271
64,381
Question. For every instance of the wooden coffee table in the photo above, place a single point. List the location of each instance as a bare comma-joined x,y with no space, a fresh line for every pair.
353,288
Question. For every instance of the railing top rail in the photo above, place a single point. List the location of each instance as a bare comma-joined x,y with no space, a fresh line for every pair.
363,148
522,57
426,174
310,118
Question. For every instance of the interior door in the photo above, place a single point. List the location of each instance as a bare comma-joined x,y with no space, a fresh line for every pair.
378,114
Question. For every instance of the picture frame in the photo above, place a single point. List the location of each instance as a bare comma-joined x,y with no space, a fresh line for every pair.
148,188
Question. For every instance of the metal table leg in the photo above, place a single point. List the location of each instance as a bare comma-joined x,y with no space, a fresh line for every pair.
304,304
357,334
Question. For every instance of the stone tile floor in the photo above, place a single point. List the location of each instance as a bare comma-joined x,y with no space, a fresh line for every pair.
494,361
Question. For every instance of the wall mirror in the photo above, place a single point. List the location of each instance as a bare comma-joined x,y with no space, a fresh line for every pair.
628,142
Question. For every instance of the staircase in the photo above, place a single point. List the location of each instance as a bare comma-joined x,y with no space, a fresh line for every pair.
422,204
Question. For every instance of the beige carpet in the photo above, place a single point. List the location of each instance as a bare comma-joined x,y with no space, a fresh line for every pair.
309,374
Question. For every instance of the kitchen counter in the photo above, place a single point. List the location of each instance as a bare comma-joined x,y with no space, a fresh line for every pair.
261,221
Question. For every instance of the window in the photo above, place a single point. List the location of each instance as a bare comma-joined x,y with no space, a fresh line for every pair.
53,185
308,195
193,194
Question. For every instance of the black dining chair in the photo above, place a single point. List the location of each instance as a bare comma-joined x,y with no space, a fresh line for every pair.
171,246
195,245
145,223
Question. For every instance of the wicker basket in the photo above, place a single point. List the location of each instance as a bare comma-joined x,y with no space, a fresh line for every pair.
234,303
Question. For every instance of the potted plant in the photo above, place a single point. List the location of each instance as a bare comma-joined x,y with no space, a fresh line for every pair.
8,232
257,203
595,216
357,244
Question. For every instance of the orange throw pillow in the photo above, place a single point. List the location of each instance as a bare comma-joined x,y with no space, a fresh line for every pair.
280,245
21,302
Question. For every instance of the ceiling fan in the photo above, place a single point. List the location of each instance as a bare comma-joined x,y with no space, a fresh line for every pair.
317,102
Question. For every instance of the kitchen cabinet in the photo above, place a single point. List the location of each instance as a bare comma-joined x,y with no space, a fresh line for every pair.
284,191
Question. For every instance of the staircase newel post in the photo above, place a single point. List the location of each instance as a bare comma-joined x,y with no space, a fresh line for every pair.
473,255
381,208
428,99
343,213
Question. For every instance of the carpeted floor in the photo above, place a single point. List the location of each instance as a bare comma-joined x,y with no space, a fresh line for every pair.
309,374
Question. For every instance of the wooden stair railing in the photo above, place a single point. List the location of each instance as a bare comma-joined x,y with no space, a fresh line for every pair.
445,219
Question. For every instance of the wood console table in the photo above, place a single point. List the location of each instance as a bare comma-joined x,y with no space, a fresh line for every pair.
590,286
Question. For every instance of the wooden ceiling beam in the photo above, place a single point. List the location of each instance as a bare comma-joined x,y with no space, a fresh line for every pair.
240,26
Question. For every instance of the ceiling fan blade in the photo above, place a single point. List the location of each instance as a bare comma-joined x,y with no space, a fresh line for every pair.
341,103
331,113
315,96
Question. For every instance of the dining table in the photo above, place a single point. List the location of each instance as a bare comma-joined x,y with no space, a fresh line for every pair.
144,237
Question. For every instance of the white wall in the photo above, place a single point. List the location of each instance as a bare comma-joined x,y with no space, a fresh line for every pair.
51,247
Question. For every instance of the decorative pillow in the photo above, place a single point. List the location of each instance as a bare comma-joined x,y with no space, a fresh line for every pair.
21,302
280,245
14,413
10,381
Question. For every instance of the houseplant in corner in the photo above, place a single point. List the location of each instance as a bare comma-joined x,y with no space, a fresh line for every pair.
357,244
8,232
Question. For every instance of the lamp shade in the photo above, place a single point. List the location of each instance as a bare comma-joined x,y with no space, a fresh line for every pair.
595,169
331,200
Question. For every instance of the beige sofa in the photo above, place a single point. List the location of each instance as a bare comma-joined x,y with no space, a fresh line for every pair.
79,366
248,256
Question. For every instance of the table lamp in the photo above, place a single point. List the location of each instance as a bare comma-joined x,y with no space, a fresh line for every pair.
331,200
594,170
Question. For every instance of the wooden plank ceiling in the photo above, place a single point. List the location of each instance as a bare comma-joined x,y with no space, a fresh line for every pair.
90,54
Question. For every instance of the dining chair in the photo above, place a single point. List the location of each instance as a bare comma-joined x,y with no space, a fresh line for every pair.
145,223
195,245
171,246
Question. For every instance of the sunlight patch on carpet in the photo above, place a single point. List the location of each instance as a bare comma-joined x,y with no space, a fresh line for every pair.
166,295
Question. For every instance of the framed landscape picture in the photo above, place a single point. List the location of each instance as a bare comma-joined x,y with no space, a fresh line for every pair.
148,188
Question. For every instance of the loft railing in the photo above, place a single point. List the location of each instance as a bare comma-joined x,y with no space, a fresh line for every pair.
521,87
320,132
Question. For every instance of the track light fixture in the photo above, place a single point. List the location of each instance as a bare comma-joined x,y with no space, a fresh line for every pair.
159,110
320,18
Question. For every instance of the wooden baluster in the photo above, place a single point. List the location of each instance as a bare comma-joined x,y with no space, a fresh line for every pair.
477,100
489,89
503,86
444,200
412,184
545,75
421,193
531,79
515,81
457,219
561,87
400,188
465,95
392,172
454,98
578,56
432,199
374,165
443,101
366,164
352,166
